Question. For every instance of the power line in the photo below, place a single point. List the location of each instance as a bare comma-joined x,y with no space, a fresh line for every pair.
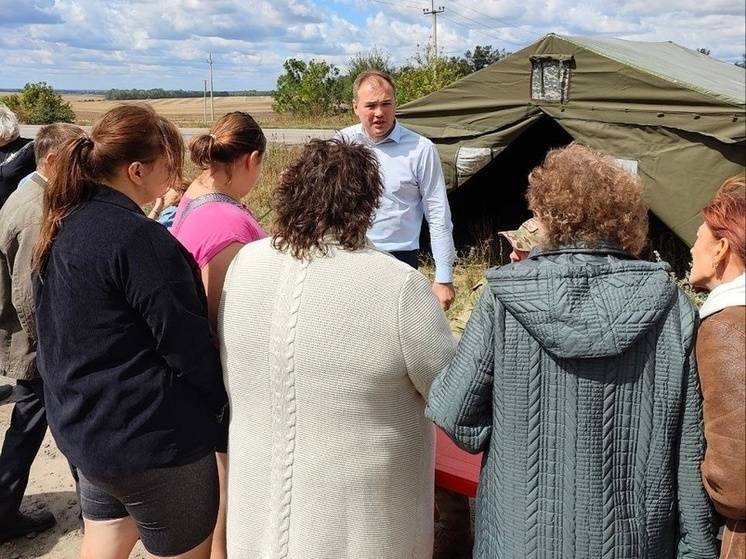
396,4
491,35
481,14
494,37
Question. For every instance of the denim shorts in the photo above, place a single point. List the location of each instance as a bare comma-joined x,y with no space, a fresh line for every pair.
175,509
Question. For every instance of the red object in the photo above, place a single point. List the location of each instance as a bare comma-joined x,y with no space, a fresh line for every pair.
455,469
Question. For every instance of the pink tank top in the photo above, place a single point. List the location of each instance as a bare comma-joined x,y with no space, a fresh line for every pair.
208,228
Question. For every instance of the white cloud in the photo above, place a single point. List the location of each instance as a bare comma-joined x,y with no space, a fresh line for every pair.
121,43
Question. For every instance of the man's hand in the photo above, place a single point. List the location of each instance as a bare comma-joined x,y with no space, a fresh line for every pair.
445,294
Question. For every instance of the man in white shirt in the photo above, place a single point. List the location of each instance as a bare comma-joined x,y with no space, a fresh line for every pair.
414,186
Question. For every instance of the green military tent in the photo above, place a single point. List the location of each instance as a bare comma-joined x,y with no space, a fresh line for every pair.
674,116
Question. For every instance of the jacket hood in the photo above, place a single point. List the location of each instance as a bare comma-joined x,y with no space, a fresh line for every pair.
584,303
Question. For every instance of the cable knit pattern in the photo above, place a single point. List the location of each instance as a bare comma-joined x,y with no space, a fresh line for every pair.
282,373
326,363
578,365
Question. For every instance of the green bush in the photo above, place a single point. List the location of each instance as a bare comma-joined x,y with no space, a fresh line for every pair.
308,88
426,75
37,103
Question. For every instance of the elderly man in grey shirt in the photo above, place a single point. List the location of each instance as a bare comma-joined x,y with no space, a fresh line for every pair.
414,186
20,223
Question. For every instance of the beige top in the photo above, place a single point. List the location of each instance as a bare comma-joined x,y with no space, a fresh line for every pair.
326,363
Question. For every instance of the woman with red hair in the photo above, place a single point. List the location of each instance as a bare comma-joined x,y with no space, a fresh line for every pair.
718,266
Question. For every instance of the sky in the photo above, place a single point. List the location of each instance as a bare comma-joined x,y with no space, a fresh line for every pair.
103,44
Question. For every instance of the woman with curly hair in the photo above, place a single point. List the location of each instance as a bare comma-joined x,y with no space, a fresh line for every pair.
329,347
719,266
576,376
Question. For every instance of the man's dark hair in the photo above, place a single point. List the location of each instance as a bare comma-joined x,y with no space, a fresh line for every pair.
330,193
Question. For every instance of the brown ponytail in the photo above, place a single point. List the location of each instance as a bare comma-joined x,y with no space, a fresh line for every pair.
232,136
67,188
124,134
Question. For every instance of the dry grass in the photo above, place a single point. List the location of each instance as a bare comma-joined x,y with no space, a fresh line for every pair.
275,120
468,281
277,158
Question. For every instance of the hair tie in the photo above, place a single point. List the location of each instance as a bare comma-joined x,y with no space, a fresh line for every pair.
86,141
212,136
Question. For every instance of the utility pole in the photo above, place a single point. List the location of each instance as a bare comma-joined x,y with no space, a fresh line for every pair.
204,104
434,12
212,100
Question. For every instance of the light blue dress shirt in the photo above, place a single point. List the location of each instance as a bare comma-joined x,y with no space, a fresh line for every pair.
25,179
414,188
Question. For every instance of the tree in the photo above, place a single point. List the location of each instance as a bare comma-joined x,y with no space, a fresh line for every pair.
371,60
308,88
362,62
427,74
483,56
37,103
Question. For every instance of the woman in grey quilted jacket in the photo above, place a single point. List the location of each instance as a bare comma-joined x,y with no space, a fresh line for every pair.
576,376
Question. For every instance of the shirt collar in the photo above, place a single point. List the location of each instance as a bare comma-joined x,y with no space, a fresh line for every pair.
730,294
103,193
394,136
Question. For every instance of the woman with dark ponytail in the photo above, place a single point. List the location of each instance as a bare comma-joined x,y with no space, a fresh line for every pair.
213,225
131,374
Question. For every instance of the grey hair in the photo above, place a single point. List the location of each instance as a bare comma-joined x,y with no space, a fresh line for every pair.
8,125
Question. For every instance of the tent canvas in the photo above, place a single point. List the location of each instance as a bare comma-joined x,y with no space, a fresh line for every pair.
673,115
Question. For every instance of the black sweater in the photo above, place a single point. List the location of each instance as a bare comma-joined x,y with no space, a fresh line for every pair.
16,161
131,374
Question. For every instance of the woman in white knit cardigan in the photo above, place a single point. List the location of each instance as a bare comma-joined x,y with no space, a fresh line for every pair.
329,347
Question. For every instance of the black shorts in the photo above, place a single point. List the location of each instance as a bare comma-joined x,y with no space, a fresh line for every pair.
175,509
221,444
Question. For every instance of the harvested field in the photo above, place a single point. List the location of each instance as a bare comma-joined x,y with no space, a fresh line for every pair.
183,111
188,112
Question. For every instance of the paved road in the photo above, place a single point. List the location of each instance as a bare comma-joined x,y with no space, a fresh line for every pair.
276,135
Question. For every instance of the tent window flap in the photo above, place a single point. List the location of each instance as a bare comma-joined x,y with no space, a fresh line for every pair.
470,160
550,78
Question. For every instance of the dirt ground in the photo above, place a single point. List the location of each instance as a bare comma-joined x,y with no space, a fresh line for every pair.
50,487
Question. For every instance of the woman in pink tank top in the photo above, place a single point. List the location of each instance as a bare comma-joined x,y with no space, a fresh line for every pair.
213,225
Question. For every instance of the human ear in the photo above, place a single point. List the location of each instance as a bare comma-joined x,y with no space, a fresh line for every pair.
720,258
254,159
135,172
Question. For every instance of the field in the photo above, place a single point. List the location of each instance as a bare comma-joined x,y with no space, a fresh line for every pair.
189,112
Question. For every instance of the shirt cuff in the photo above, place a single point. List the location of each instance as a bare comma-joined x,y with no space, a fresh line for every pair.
443,274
